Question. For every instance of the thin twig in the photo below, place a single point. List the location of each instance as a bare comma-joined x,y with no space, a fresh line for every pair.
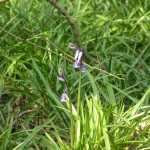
2,1
70,19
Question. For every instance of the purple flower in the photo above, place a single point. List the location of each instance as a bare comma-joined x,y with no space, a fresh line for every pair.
76,65
61,76
78,61
83,68
64,97
78,57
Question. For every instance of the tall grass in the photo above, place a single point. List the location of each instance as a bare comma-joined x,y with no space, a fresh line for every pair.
108,107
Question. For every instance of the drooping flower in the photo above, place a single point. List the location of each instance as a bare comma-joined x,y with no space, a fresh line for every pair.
64,97
61,77
83,68
76,54
78,58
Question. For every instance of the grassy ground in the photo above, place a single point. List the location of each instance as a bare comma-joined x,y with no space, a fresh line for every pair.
108,107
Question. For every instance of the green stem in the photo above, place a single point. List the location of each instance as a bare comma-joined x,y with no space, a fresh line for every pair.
79,95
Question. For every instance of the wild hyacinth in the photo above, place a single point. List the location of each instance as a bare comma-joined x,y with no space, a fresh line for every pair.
64,96
78,57
78,65
61,77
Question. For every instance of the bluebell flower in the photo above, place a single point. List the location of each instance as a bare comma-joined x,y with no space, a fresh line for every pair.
83,68
61,77
64,97
78,57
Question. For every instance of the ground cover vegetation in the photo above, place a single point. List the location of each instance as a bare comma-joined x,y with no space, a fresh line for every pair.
107,92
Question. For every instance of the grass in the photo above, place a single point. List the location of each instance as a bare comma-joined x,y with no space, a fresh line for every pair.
108,107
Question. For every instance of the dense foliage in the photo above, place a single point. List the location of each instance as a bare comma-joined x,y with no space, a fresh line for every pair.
108,107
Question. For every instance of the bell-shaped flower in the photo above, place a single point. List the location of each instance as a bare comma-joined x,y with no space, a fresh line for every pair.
78,57
61,77
64,97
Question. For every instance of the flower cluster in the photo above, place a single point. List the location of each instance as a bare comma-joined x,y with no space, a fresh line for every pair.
77,65
61,77
78,58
